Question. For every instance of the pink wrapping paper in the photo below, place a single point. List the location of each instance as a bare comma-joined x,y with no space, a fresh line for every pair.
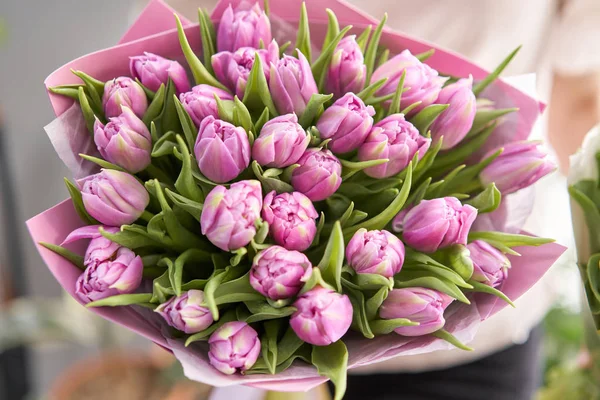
153,32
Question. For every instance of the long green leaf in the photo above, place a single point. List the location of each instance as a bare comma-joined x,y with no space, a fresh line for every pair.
372,48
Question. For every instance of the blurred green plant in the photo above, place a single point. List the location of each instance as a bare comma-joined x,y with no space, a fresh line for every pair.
3,32
564,336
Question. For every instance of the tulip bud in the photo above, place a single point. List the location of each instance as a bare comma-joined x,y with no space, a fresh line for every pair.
278,273
375,252
281,142
425,306
456,121
319,174
113,197
186,312
222,150
124,141
153,70
395,139
421,82
200,102
520,165
233,68
234,347
243,28
322,317
124,91
490,266
291,218
110,268
292,84
229,215
438,223
347,71
347,123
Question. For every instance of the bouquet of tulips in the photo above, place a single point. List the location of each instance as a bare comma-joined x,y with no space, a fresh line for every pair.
290,210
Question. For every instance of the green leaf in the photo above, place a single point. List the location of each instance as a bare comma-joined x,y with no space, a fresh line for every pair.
303,37
131,236
164,146
458,258
333,259
168,119
314,108
431,282
373,281
263,311
363,38
199,71
352,167
460,153
205,334
584,193
315,280
413,271
360,321
257,94
374,303
509,239
423,120
396,101
369,91
269,344
206,34
385,326
333,28
192,207
241,116
371,51
425,56
209,292
185,184
237,290
102,163
287,346
448,337
483,288
156,106
427,161
484,117
269,184
94,88
161,287
332,361
440,188
75,259
122,300
86,109
320,66
480,86
488,200
383,58
71,91
189,129
75,194
176,273
261,121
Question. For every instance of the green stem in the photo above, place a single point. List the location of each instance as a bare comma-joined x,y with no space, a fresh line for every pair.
157,173
146,216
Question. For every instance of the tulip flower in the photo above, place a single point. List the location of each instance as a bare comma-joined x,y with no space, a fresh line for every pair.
375,252
347,123
490,266
113,197
153,70
233,68
186,312
520,165
322,317
291,218
281,142
200,102
124,141
292,84
229,215
234,347
222,150
319,174
110,268
244,27
347,71
123,91
421,82
438,223
425,306
456,121
395,139
278,273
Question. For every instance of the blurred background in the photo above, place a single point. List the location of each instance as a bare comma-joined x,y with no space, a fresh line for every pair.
46,338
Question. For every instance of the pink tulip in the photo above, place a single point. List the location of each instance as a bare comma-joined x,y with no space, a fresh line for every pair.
113,197
124,141
234,347
229,215
456,121
322,317
490,266
281,142
319,175
422,81
291,218
244,27
153,70
222,150
425,306
186,312
438,223
200,102
292,84
395,139
347,123
347,71
375,252
520,165
278,273
123,91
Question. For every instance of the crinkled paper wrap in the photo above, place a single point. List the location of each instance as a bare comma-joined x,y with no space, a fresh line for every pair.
153,32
